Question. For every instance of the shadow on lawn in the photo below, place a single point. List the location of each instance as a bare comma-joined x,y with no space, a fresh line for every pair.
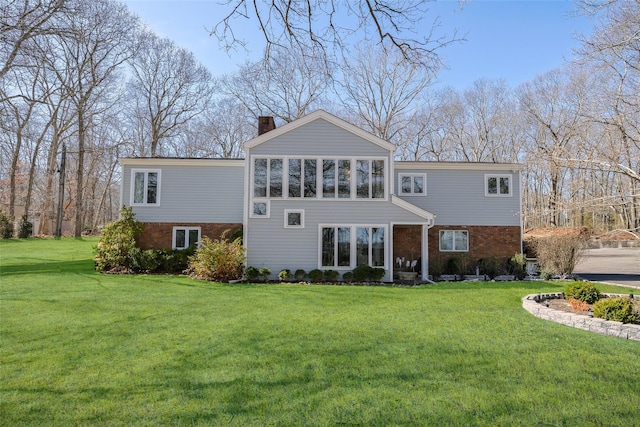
39,266
529,285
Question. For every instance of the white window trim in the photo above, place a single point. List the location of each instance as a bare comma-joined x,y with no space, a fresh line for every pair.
353,246
251,211
454,241
146,181
412,175
286,218
498,176
186,229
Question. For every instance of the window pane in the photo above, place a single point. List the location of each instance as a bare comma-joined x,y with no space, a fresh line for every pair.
362,179
504,185
344,178
309,178
275,178
152,187
260,178
377,247
181,239
294,218
492,185
194,236
344,246
406,185
446,240
260,209
461,241
138,188
328,247
295,166
418,184
362,246
328,178
377,179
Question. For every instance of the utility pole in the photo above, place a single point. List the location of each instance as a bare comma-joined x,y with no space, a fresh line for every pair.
63,160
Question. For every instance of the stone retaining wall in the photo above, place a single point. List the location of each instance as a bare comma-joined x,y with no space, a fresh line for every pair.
531,303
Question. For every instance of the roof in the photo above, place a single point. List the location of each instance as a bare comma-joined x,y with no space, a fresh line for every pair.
457,165
178,161
319,115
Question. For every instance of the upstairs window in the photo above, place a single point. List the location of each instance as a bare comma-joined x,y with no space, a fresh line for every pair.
370,179
497,185
145,187
267,178
336,171
412,184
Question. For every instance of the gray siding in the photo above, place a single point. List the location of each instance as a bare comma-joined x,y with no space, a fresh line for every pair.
319,138
457,197
272,245
189,193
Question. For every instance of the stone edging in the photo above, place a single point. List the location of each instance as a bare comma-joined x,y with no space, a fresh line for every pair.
580,321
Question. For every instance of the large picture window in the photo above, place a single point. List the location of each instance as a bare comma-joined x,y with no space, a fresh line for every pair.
145,187
454,241
370,179
497,185
350,246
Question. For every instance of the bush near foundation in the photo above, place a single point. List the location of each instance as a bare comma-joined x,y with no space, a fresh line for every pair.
616,309
117,245
217,260
582,291
558,255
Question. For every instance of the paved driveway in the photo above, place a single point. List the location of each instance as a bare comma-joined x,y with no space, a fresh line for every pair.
614,265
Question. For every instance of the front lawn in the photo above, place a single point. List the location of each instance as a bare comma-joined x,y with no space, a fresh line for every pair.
83,348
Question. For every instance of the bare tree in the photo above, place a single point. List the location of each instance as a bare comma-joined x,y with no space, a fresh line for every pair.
169,88
23,20
320,25
380,89
286,84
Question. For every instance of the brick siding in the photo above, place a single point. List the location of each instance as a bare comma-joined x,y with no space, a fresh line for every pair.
159,235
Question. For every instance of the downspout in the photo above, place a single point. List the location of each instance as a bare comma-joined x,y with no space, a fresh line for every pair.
425,252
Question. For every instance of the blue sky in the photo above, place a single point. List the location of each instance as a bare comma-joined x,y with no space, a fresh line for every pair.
515,40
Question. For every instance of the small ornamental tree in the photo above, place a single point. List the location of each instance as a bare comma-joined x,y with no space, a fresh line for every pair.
117,244
558,255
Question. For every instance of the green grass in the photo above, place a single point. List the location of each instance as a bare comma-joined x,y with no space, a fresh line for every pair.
82,348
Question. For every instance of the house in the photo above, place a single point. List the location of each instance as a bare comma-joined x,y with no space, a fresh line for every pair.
322,193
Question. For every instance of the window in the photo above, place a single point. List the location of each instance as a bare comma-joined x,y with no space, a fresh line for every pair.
352,246
497,185
260,210
293,218
412,184
267,178
454,241
186,237
336,171
145,187
370,179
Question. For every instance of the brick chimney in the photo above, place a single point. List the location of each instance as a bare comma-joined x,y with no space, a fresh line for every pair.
265,124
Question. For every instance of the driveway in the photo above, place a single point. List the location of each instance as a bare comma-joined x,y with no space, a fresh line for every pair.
613,265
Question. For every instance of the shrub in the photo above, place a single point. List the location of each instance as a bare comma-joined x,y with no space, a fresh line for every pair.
517,265
576,304
6,226
376,274
331,276
347,277
252,273
25,227
559,254
361,273
147,261
284,275
436,268
617,309
300,275
218,260
490,266
117,241
315,275
265,272
582,291
174,261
